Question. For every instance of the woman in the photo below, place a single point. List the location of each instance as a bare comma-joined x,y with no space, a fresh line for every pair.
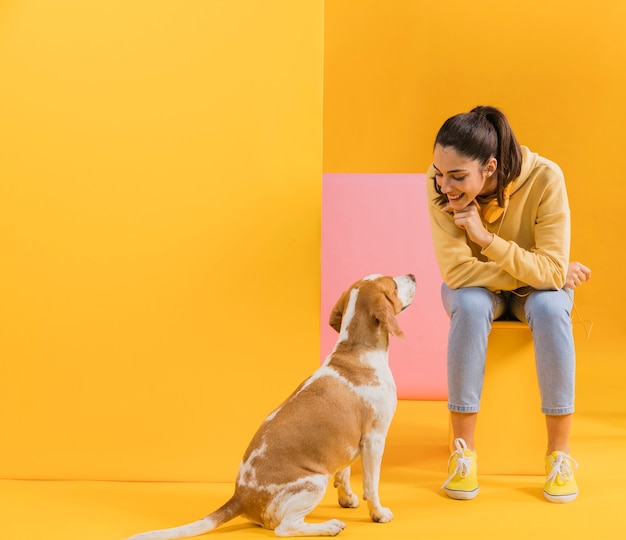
501,230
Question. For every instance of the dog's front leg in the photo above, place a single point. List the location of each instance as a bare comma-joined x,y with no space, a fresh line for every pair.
346,497
372,448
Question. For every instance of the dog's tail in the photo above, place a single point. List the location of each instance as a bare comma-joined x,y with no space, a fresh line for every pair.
226,512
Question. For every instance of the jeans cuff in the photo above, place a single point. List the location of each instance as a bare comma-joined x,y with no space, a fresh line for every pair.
462,408
557,411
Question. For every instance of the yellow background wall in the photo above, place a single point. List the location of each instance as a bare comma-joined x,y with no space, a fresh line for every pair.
160,168
160,173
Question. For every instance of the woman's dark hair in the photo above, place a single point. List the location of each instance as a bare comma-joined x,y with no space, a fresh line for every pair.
481,134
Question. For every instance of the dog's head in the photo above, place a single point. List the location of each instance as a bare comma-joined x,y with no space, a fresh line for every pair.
380,297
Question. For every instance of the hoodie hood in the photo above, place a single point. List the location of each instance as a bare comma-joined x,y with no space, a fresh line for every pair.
531,161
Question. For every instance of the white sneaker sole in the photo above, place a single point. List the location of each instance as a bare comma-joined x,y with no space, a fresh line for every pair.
560,498
461,495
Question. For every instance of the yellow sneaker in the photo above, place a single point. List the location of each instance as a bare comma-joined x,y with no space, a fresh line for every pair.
462,467
560,484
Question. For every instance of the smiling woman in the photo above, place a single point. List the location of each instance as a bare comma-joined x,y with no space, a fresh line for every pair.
501,231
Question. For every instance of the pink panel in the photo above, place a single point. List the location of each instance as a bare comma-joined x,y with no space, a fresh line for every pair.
378,224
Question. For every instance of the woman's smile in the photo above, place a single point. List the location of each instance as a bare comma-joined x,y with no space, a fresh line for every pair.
459,178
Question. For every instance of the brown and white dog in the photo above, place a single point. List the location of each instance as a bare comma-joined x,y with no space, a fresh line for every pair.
342,411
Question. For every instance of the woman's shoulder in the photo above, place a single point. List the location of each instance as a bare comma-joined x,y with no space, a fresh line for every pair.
550,166
539,168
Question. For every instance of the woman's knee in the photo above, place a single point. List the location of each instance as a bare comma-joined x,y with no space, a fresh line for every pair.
471,301
548,308
471,311
551,304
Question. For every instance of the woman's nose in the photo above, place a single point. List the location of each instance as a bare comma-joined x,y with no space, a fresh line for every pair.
444,185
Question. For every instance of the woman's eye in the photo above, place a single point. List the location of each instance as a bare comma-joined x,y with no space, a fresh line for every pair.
458,178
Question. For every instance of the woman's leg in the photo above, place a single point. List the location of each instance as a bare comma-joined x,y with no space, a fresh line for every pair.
471,311
548,314
559,428
464,426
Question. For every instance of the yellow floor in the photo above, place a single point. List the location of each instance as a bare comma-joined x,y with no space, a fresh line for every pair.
415,460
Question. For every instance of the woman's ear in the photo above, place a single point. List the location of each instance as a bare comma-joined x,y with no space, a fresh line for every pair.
491,166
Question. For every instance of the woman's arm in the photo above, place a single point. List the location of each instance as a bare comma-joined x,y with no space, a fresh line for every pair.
460,264
536,248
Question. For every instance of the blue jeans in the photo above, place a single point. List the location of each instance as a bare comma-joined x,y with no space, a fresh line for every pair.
548,313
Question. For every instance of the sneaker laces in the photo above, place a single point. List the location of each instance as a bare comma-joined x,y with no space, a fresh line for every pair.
463,462
562,466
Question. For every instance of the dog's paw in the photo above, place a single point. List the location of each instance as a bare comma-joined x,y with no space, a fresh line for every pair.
335,526
348,500
382,515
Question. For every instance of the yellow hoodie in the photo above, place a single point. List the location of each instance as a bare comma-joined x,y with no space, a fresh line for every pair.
531,239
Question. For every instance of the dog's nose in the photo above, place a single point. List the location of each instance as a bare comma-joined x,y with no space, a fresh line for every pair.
411,277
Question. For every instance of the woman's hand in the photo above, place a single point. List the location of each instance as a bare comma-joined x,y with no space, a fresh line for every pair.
577,273
470,220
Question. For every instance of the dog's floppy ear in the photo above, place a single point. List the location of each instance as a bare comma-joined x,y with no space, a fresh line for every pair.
337,312
386,317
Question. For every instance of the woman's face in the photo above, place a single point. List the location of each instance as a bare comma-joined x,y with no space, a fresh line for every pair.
462,179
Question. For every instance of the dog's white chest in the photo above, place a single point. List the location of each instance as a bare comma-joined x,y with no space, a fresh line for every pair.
381,393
